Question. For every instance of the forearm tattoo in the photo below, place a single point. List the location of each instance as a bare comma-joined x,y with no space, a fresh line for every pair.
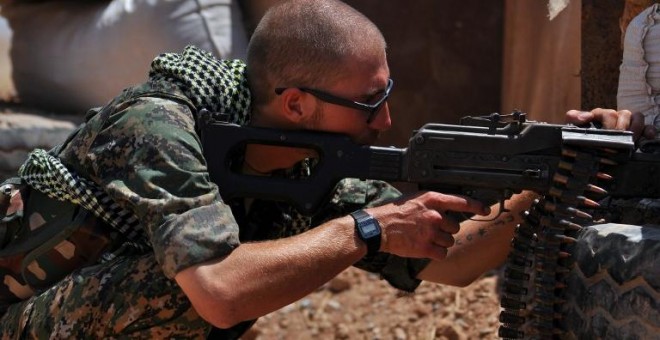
484,230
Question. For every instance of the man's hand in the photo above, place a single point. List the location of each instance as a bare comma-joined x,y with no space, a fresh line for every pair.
614,120
418,227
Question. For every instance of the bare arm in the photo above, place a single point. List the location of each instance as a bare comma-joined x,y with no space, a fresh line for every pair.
480,246
258,278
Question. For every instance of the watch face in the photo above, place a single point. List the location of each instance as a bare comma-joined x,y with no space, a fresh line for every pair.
369,229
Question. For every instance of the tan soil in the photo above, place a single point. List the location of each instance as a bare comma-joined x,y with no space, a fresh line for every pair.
359,305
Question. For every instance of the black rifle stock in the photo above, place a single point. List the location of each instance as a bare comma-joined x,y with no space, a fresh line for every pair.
486,158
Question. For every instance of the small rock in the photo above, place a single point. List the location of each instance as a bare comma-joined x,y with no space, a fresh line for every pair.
334,304
343,332
338,285
422,310
446,330
400,334
305,303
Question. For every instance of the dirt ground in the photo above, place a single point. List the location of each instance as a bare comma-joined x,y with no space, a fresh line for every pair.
359,305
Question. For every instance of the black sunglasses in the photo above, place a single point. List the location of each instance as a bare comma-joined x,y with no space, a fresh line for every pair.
372,109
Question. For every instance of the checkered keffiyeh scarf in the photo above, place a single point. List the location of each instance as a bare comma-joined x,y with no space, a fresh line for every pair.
45,173
219,86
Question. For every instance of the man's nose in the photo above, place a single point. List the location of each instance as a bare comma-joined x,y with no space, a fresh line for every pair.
382,121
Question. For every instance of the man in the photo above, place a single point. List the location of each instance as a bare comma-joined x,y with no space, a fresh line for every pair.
192,262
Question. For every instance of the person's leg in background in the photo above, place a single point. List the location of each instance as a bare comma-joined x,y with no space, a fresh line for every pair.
7,90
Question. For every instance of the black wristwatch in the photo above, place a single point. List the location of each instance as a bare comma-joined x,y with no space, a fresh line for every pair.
368,230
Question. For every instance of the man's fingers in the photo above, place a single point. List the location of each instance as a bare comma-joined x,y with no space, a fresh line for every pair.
578,117
623,120
443,239
608,117
447,224
442,202
637,126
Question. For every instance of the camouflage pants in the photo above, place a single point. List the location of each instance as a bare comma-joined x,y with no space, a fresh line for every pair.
125,298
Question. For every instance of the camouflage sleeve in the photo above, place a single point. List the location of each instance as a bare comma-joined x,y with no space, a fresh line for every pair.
352,194
149,159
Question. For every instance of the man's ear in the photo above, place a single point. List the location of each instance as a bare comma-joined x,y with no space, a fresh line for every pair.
295,105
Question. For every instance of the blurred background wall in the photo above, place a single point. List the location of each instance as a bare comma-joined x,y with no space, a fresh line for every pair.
454,58
445,57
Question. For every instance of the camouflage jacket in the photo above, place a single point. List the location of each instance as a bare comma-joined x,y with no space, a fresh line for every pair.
143,149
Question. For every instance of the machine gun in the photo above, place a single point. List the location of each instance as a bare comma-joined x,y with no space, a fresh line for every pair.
488,158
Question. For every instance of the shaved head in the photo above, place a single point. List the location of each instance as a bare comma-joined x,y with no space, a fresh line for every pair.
305,43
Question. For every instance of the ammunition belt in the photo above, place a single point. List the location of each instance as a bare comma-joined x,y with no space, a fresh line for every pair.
540,259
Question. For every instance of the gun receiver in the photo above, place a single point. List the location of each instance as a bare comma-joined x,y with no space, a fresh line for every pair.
487,158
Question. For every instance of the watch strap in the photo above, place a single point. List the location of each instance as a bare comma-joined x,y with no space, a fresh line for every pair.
368,230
